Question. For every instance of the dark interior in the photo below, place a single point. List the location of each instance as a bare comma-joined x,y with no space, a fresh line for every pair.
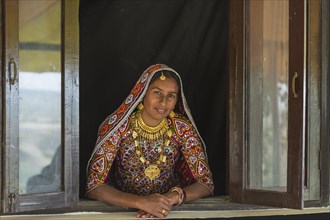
120,39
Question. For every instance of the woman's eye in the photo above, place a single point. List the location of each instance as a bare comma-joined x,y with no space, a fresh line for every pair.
157,92
172,96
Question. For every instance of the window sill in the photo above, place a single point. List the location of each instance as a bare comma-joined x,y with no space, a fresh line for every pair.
211,207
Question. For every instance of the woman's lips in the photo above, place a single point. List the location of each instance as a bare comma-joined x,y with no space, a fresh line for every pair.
161,111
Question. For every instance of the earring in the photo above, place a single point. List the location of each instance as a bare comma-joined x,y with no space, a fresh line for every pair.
140,106
172,114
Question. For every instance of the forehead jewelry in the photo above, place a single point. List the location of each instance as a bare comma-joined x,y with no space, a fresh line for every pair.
162,77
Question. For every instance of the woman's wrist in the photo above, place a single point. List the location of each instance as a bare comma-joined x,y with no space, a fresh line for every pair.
139,201
181,195
175,198
172,196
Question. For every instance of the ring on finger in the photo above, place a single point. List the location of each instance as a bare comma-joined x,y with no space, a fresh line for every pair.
163,212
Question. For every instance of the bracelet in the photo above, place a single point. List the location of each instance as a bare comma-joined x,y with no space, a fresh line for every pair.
182,194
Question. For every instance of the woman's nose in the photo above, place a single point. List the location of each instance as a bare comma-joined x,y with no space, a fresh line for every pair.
162,101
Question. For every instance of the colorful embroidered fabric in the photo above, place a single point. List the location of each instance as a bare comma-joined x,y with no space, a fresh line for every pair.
114,160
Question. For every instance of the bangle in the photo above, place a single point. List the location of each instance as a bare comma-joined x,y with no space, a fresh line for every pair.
182,194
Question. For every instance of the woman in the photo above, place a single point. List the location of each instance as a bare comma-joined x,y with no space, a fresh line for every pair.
149,154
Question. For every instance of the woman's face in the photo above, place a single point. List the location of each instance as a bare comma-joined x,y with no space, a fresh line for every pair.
159,100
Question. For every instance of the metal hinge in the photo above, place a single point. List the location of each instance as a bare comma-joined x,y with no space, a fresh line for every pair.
12,198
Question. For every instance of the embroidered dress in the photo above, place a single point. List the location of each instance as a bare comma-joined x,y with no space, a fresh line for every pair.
144,166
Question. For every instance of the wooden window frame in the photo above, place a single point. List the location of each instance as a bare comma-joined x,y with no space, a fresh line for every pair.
325,104
1,112
236,65
236,106
69,194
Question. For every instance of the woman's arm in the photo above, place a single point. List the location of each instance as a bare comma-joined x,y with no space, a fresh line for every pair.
154,204
193,192
196,191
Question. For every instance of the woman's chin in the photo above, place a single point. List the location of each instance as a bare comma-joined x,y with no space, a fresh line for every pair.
160,115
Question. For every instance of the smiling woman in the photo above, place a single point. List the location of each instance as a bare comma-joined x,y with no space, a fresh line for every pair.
149,154
160,99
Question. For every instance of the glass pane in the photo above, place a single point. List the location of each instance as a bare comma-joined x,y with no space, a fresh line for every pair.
40,96
267,99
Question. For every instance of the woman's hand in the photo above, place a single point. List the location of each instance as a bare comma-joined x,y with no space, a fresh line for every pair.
154,205
173,197
143,214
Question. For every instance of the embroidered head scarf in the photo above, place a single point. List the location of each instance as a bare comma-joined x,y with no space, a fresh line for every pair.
115,120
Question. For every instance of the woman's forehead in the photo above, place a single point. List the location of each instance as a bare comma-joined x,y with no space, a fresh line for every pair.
169,84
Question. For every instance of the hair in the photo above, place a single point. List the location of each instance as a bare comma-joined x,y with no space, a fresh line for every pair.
166,73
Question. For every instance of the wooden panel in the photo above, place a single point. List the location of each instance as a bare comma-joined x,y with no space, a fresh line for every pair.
10,105
71,109
235,100
255,107
296,116
312,172
262,197
45,200
1,112
325,108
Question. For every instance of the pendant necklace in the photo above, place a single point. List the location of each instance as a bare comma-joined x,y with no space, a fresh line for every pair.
144,134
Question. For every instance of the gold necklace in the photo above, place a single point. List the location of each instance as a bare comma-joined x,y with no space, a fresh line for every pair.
152,170
149,132
143,131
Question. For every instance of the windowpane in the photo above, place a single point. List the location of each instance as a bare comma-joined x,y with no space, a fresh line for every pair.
40,96
267,99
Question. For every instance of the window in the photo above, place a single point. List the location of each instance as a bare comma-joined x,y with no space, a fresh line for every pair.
275,89
273,76
40,105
